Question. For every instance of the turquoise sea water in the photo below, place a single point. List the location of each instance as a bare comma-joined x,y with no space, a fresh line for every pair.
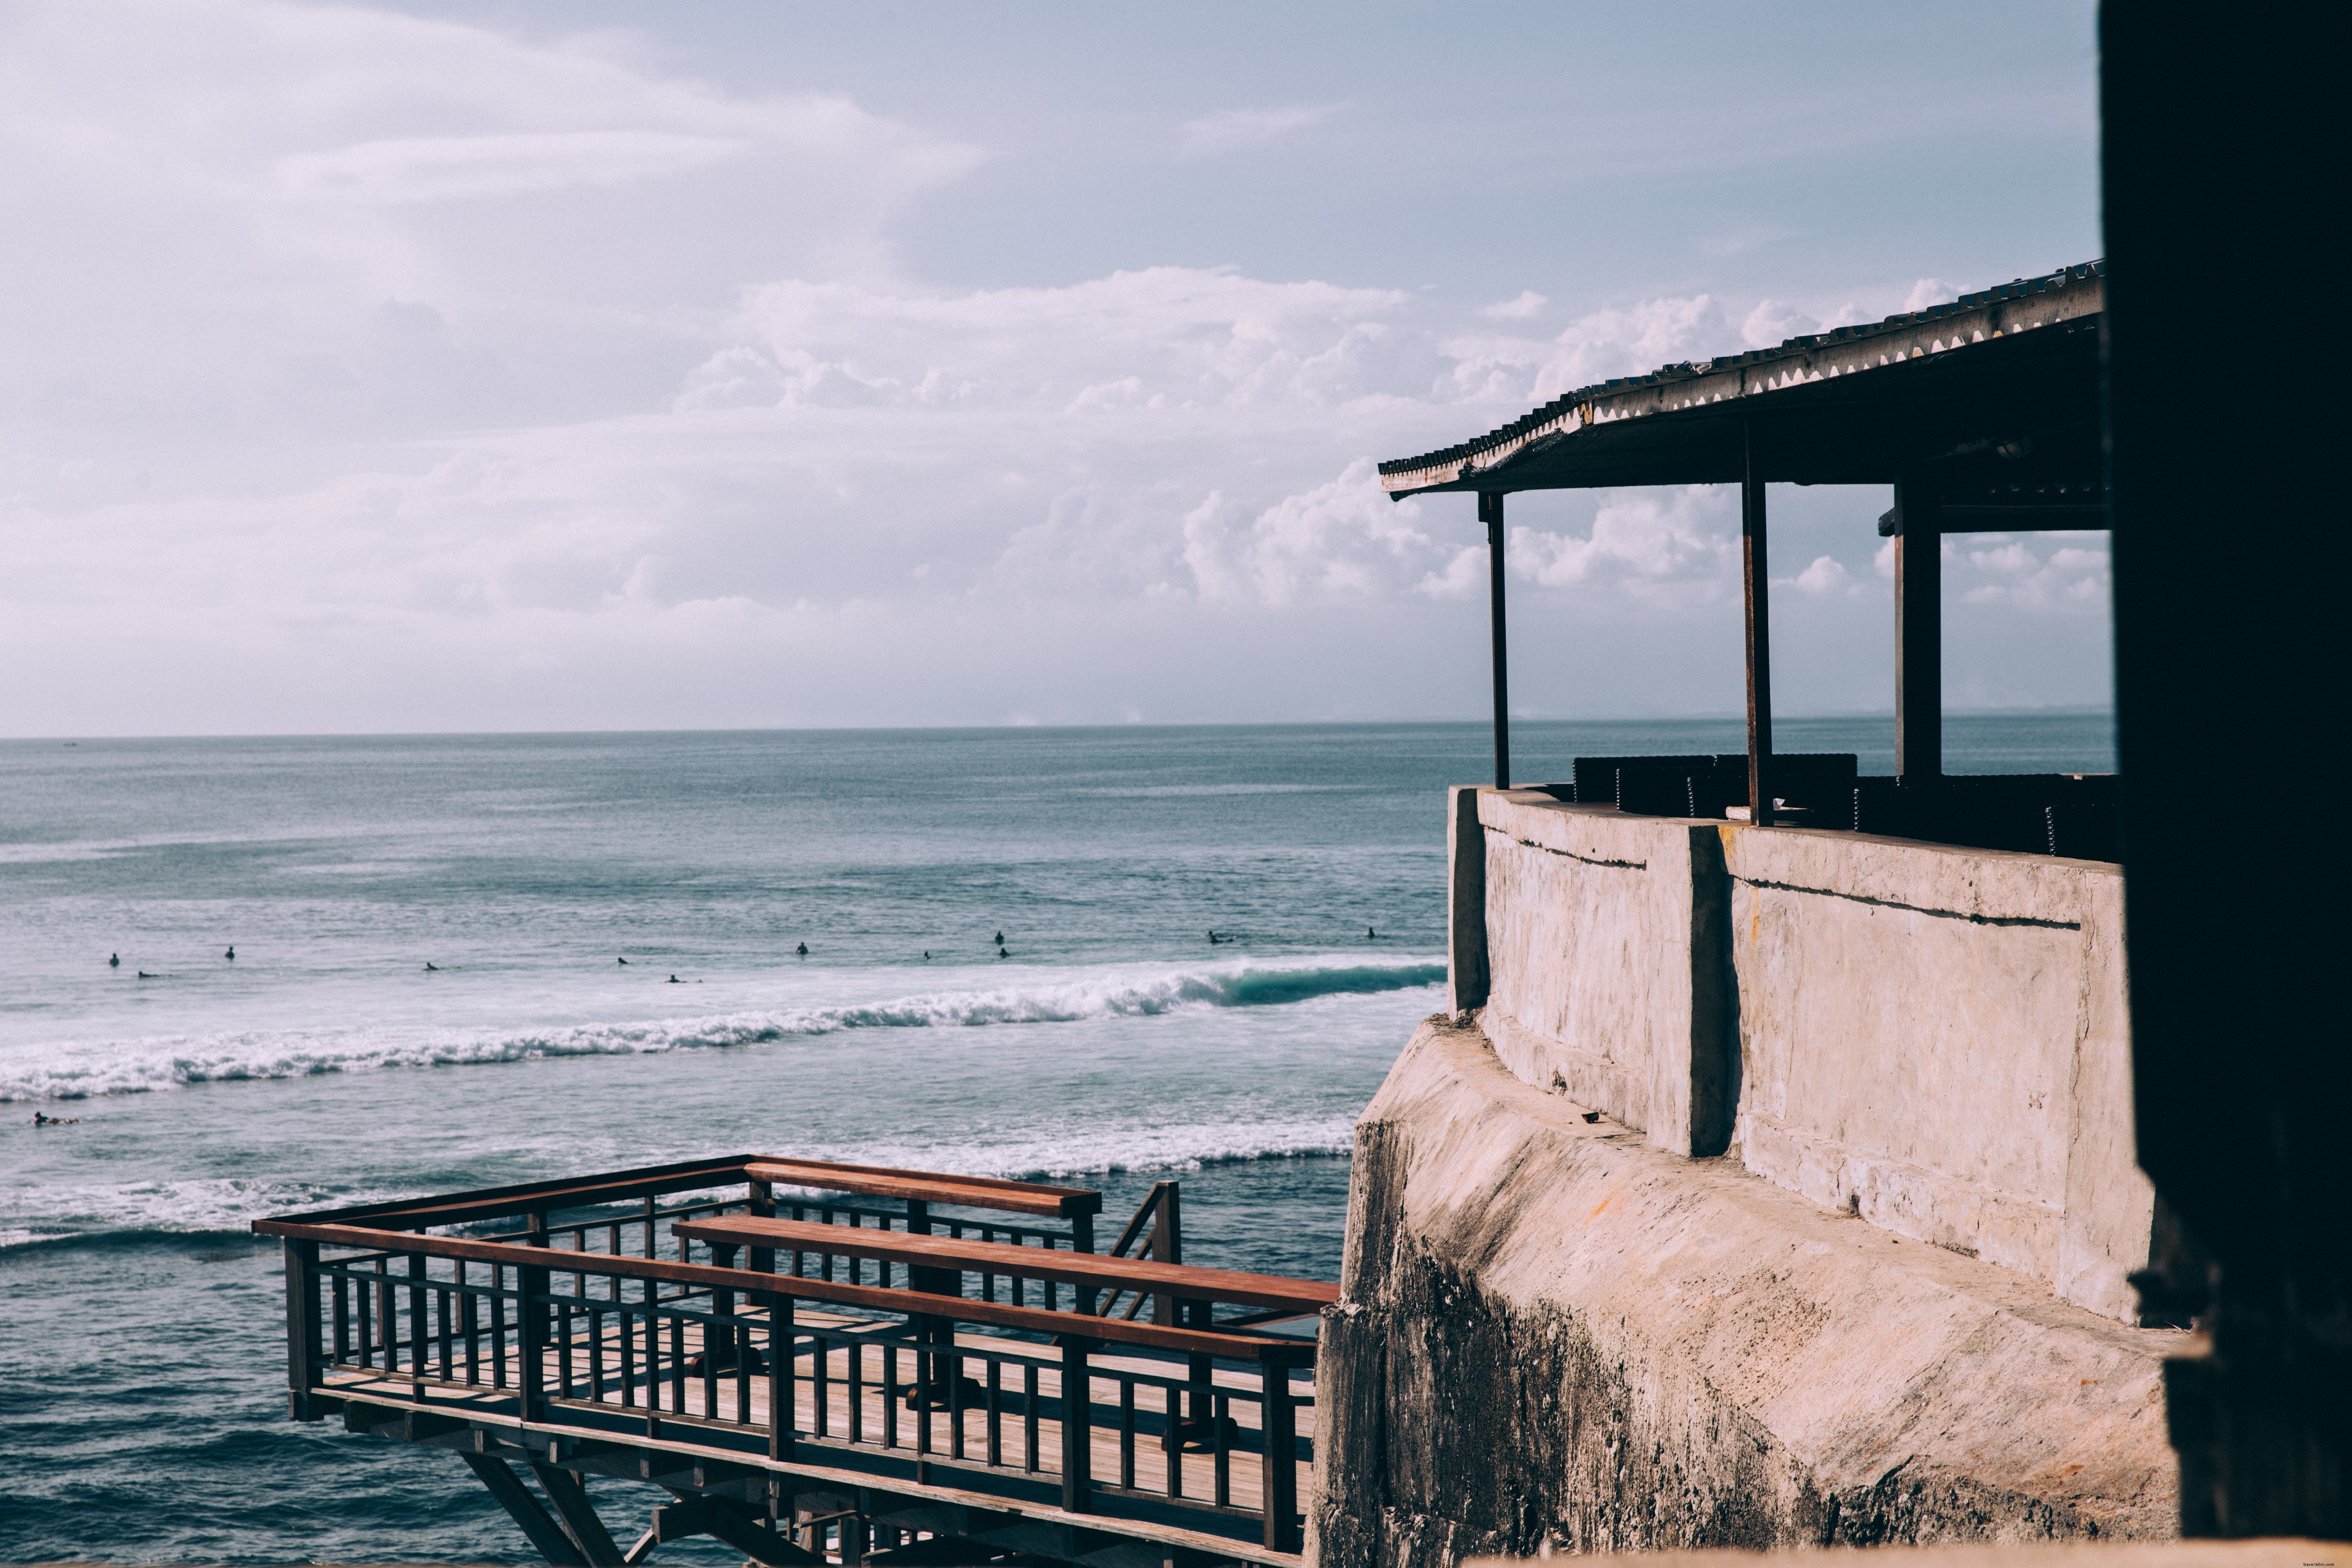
1109,1045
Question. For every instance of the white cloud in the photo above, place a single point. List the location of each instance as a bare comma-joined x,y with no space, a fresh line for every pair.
1929,291
1772,323
1674,547
1529,305
1824,578
1232,130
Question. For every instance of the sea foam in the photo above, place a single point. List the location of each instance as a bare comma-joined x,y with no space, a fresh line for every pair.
81,1069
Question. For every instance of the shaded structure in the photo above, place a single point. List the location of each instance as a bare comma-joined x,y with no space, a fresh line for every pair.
1982,413
2226,651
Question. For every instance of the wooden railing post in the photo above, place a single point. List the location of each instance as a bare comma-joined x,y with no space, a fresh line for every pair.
530,1322
1279,1427
302,1327
784,1415
1077,1426
1082,1239
1167,1243
763,1204
420,1336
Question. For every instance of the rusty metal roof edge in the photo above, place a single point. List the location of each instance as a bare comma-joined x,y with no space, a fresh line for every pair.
1685,383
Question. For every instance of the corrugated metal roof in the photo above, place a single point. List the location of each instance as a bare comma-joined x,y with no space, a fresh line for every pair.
2068,294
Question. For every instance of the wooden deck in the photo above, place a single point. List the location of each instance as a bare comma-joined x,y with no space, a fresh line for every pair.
935,1364
868,1421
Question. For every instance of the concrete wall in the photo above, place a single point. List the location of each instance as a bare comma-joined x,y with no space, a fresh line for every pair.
1608,972
1554,1334
1936,1038
1931,1036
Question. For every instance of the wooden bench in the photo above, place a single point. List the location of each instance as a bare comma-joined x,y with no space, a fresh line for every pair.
946,1257
929,1187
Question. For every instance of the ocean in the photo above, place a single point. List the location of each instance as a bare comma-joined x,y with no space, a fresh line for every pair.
1008,971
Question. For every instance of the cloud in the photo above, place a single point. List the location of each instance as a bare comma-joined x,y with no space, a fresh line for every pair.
1528,304
1772,323
2068,579
456,168
1661,548
1929,291
1826,578
1232,130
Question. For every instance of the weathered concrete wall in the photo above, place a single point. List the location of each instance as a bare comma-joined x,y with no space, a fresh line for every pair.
1935,1038
1607,945
1931,1037
1554,1334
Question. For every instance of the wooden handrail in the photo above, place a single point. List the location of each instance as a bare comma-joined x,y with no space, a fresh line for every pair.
929,1186
959,1308
1177,1280
456,1208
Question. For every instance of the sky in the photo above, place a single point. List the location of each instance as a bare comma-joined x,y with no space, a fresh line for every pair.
579,365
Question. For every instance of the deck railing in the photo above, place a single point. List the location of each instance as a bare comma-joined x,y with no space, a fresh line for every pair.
904,1342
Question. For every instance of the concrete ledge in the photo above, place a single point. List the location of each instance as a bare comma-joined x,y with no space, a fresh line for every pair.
1553,1335
2268,1551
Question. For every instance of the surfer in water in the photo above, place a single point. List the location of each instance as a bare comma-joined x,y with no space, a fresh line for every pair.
231,953
1371,935
1213,939
1001,952
674,980
113,961
621,960
43,1119
431,967
802,950
999,939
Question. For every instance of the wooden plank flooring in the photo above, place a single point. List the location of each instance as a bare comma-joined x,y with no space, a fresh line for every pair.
865,1420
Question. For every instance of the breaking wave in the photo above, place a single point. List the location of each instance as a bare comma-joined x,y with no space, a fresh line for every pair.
142,1065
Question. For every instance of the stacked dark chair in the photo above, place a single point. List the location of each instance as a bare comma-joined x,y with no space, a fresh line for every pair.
2071,815
1704,784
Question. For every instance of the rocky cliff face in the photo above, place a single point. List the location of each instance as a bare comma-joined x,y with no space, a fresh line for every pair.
1555,1335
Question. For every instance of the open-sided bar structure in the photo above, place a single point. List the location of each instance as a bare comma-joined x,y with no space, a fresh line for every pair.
1769,1179
811,1360
1982,414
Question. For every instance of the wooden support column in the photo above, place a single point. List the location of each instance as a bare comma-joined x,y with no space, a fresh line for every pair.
1490,512
544,1533
1918,629
1754,580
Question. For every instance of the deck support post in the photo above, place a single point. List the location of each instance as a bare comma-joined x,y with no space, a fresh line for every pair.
420,1335
578,1516
1077,1426
302,1327
532,1284
1918,629
723,1344
784,1416
543,1533
1490,512
1756,592
1167,1243
763,1204
1279,1427
1082,1239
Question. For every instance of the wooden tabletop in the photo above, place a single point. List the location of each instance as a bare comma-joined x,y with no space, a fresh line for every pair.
929,1186
1025,1262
